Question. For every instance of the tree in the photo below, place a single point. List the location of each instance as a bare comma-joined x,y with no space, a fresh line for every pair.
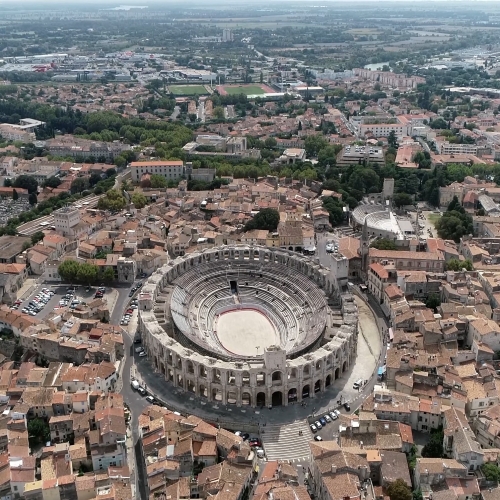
32,199
268,218
313,144
38,236
383,244
15,195
417,494
79,184
113,200
392,140
218,113
335,208
7,182
87,273
158,181
402,200
399,490
270,143
68,271
491,472
455,222
108,275
26,182
139,200
433,301
434,447
38,431
51,182
458,265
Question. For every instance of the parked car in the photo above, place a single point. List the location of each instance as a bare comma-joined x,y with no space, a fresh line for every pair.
333,415
323,421
327,418
245,436
142,354
137,341
318,424
150,399
141,391
139,349
347,407
318,438
313,428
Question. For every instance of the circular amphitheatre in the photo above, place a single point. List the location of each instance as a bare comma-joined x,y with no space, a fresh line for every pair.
248,325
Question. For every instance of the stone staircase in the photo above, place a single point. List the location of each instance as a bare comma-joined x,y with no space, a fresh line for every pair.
284,443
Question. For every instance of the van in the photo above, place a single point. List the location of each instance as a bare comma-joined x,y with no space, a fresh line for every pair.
134,384
358,384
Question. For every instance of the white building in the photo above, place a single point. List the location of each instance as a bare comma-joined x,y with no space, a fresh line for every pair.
171,170
65,219
448,148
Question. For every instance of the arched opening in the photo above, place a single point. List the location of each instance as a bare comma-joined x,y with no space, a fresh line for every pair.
261,379
328,380
277,377
191,387
261,399
293,374
169,358
305,391
344,367
246,399
307,371
318,365
203,372
292,395
290,248
179,363
317,386
216,395
190,366
277,398
180,382
245,378
170,375
203,391
231,379
216,376
231,397
337,373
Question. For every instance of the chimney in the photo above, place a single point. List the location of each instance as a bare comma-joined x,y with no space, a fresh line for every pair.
334,469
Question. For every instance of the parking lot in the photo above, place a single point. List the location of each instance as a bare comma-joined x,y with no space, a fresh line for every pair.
47,298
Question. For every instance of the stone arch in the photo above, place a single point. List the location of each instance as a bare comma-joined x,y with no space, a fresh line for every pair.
344,367
317,386
292,374
216,376
306,391
277,398
179,363
189,366
216,394
261,379
292,394
203,371
261,399
306,371
190,386
246,399
318,365
336,374
277,377
328,381
170,375
231,397
203,392
231,377
245,378
180,380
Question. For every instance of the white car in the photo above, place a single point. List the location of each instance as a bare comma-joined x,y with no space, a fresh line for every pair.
313,428
333,415
327,418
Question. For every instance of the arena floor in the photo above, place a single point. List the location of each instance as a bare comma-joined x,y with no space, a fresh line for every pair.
246,332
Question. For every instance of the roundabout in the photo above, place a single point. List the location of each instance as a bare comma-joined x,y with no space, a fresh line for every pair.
248,326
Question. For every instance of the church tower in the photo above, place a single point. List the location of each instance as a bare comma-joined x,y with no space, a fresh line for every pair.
364,248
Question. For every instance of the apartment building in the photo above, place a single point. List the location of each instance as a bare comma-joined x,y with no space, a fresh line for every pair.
171,170
408,261
389,78
13,133
448,148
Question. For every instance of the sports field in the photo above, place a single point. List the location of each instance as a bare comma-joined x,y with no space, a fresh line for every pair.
187,89
244,89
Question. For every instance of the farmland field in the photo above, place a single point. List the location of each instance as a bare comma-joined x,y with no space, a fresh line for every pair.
188,89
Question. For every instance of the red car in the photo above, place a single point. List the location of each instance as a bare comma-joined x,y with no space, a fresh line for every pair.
130,311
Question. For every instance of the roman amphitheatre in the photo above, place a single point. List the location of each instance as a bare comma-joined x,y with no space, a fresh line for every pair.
248,325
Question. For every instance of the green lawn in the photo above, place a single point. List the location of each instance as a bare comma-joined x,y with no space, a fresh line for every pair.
187,89
433,218
245,89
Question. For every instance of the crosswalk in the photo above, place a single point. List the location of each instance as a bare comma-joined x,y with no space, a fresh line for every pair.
285,442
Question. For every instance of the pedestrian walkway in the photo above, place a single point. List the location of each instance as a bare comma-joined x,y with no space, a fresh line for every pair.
286,442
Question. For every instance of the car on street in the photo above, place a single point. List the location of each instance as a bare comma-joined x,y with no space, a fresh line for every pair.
323,421
318,438
313,428
142,354
329,248
139,349
318,424
347,407
333,415
150,399
137,341
131,294
327,418
337,412
254,442
141,391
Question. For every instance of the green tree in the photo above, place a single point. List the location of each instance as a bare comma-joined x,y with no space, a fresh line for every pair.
26,182
158,181
268,218
38,432
335,208
87,273
402,200
455,222
417,494
32,199
313,144
433,301
218,113
458,265
139,200
79,184
491,472
51,182
108,275
38,236
68,271
399,490
434,447
383,244
392,140
113,200
15,195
